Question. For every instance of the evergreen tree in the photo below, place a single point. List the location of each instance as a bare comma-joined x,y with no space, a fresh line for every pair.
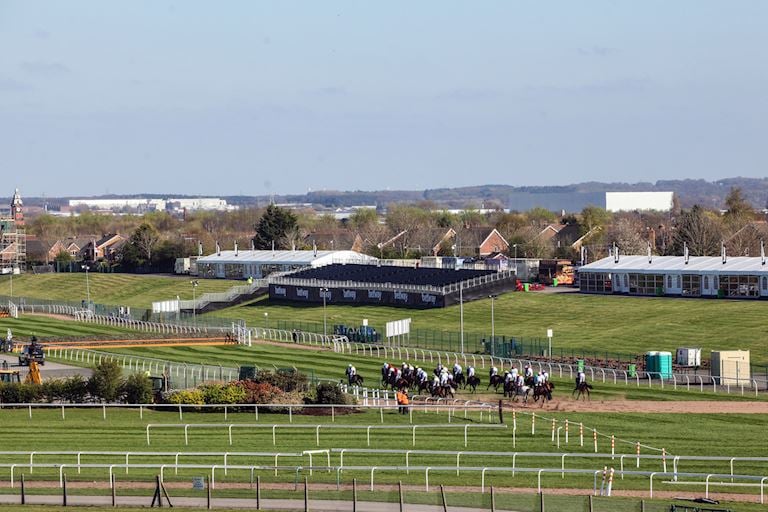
274,226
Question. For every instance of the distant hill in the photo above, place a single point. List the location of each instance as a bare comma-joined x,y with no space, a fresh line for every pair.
566,197
562,197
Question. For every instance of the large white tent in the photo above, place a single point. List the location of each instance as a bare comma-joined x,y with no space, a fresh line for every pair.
695,276
258,264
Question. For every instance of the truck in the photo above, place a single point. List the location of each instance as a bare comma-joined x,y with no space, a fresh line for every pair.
556,272
32,353
186,266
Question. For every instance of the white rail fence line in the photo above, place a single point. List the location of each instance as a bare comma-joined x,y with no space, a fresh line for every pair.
483,470
605,375
558,455
488,410
227,456
317,427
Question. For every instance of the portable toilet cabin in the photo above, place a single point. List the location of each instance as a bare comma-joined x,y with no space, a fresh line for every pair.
665,365
688,356
731,367
652,363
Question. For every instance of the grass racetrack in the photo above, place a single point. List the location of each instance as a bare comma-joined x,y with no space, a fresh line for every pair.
123,430
114,289
629,325
45,326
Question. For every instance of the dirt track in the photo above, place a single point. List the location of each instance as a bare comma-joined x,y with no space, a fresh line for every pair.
672,407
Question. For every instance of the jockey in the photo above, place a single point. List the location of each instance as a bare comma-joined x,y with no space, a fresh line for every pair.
581,378
470,371
539,379
444,377
404,367
545,375
508,377
513,371
435,381
351,372
439,368
410,369
457,369
528,371
493,371
421,374
519,381
385,369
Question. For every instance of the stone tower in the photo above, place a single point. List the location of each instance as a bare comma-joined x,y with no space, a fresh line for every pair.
17,210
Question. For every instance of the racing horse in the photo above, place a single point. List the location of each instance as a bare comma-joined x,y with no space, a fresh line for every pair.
495,381
543,392
472,382
356,380
514,392
582,389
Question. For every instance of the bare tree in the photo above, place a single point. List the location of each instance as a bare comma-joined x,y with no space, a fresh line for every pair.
700,230
628,235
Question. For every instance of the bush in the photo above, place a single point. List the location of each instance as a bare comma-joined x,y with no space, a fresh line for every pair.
137,389
185,397
75,389
105,382
259,392
223,394
52,390
329,393
287,379
20,393
294,397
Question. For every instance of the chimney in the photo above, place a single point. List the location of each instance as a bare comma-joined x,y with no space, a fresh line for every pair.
762,252
199,248
722,252
685,252
650,254
615,253
253,245
218,248
236,251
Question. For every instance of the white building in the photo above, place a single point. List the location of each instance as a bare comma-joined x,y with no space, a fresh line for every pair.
258,264
145,204
697,276
632,201
119,203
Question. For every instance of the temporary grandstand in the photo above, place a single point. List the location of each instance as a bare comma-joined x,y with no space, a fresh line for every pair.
388,285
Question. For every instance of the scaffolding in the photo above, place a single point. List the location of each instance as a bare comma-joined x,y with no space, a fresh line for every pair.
13,251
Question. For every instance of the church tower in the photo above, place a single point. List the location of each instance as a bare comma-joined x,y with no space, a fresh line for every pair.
17,211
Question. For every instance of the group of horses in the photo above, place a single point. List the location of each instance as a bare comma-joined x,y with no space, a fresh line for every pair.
408,380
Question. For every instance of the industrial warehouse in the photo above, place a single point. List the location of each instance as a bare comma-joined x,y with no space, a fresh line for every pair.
696,276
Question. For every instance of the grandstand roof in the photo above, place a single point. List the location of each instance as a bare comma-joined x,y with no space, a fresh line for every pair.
313,258
677,264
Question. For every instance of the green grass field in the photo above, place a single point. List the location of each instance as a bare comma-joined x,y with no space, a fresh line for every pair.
114,289
28,325
589,322
627,325
329,365
123,430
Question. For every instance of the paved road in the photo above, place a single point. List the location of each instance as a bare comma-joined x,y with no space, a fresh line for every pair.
232,503
49,370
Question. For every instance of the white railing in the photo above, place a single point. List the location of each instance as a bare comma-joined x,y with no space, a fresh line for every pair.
227,296
676,382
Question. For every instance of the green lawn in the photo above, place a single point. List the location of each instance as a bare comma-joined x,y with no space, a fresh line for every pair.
590,322
113,289
45,327
123,430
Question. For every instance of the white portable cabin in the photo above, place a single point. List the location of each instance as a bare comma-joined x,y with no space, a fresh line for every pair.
688,356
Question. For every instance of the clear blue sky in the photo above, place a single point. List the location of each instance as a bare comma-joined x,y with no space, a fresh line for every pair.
261,97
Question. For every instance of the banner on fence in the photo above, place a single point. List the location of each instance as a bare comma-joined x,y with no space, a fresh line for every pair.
398,327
